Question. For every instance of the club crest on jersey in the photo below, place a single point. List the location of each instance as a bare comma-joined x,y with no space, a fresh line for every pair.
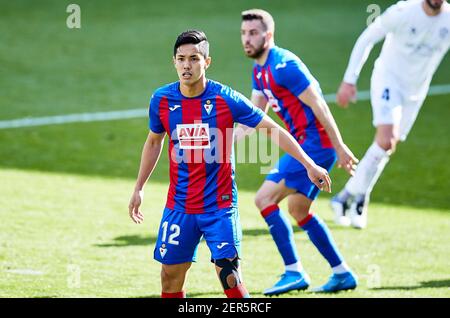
443,32
193,136
163,250
208,106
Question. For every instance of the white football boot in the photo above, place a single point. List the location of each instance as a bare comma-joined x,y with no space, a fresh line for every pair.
358,212
340,212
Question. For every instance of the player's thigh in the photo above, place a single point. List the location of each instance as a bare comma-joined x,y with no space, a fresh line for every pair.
174,273
409,115
386,99
299,206
272,192
298,179
178,238
274,189
222,232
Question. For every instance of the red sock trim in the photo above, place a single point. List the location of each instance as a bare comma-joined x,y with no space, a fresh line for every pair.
271,208
238,291
181,294
303,222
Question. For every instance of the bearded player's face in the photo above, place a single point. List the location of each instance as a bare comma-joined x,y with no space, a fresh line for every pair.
253,38
435,4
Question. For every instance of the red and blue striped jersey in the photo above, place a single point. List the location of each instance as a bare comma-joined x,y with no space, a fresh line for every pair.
200,131
282,79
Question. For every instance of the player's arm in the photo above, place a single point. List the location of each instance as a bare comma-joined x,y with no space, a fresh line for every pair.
149,158
312,98
259,100
285,141
374,33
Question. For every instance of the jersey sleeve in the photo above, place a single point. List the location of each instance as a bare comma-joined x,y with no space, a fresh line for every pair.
390,18
373,34
155,123
294,76
244,112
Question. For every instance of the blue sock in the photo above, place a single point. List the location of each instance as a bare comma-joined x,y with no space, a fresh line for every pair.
282,233
320,235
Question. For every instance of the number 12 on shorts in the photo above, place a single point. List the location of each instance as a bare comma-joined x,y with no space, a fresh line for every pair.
175,229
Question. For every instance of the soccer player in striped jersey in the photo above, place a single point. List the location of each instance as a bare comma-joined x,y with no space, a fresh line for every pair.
282,82
198,115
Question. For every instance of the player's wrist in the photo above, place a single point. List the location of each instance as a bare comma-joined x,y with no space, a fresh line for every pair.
350,80
139,190
309,165
340,147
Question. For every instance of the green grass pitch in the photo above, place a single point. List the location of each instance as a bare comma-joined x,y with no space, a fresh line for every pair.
64,189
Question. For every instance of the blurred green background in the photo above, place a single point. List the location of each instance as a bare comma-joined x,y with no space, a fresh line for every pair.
121,54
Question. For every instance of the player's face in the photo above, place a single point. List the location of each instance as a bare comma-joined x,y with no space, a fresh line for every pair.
254,38
190,64
435,4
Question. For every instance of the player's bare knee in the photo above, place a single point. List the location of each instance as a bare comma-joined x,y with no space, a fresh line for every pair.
387,143
166,275
262,200
298,213
170,276
386,137
228,275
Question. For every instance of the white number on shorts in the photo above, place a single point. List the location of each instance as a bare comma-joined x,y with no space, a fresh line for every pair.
386,94
175,229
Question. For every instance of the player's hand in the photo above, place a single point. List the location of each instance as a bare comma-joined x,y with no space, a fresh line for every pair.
133,208
346,159
346,93
319,176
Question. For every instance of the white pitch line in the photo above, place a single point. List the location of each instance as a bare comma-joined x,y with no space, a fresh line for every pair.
74,118
143,112
365,95
24,272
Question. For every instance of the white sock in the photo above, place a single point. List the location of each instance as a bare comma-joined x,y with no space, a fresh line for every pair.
341,268
296,267
343,196
368,171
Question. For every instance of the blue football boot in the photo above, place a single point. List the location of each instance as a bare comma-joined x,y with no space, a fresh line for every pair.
338,282
289,281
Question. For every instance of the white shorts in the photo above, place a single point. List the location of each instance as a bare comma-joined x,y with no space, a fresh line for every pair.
391,105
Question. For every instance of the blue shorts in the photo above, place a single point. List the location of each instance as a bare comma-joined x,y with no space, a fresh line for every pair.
295,174
180,233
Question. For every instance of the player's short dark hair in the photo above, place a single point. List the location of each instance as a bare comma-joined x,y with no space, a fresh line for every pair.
193,37
262,15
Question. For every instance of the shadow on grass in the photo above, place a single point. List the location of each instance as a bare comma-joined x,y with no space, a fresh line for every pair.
137,240
210,294
428,284
129,240
188,295
265,231
261,231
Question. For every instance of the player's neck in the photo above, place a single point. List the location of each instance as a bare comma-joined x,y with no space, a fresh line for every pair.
263,58
195,89
430,11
